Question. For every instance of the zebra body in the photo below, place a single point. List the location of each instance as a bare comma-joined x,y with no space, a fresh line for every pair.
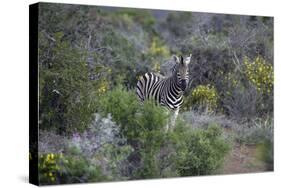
166,91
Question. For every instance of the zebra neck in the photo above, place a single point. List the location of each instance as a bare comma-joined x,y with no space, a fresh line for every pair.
175,82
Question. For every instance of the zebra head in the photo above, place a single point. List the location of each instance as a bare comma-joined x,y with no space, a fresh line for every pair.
182,70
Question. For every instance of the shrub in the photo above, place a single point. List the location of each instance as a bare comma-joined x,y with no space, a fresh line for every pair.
66,94
260,74
49,167
199,151
103,146
78,169
56,168
150,125
143,126
202,97
134,117
123,106
98,154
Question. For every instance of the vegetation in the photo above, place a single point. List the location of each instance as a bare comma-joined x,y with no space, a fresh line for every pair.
201,152
202,97
92,126
144,151
260,74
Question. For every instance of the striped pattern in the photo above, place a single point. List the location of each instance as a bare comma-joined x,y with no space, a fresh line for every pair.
166,91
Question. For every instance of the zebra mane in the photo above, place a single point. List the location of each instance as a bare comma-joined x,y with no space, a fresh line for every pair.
167,69
174,69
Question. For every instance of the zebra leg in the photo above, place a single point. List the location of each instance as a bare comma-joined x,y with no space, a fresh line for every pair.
167,112
174,118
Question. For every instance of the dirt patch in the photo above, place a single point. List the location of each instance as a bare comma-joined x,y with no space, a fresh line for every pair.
242,159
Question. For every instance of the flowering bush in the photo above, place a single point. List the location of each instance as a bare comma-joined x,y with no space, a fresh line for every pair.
202,97
260,74
49,166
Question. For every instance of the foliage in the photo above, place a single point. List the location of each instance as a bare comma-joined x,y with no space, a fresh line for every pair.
150,124
199,151
67,96
142,125
103,145
92,126
56,168
265,153
122,106
97,154
156,150
49,167
157,52
260,74
157,48
79,170
202,97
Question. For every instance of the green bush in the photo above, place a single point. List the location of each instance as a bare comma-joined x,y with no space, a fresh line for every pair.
66,94
79,170
142,125
199,151
133,116
150,124
123,107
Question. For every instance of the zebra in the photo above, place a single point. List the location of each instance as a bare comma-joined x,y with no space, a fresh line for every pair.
168,91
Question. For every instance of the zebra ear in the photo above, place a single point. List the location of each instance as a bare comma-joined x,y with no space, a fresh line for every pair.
187,60
176,58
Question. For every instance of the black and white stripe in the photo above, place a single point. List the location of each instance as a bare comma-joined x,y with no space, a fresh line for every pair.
166,91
